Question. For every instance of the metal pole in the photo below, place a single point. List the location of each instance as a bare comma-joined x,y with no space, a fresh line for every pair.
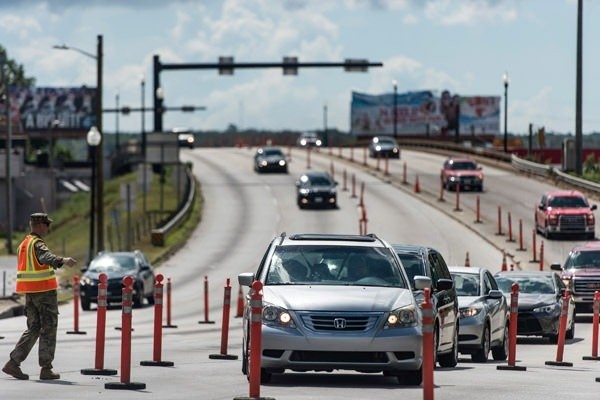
92,202
158,102
99,153
505,114
578,95
144,173
9,194
117,122
395,109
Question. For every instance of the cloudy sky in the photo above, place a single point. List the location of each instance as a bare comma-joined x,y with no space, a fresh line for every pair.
464,46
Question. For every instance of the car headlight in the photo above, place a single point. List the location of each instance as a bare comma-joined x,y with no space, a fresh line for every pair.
402,317
304,191
378,148
548,309
87,281
471,311
263,163
332,191
277,316
303,142
282,163
452,178
318,143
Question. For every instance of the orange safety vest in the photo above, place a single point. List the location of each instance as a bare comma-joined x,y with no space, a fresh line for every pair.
33,277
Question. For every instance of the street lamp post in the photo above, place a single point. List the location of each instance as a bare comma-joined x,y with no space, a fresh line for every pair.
144,172
505,80
94,138
99,152
395,83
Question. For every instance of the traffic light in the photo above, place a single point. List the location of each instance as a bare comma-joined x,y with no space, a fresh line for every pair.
290,65
226,65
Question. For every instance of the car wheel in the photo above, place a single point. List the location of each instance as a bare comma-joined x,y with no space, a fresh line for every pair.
138,298
265,376
481,355
85,304
411,378
449,360
500,353
245,360
150,299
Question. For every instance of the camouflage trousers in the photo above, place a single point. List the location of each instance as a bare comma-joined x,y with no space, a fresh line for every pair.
41,310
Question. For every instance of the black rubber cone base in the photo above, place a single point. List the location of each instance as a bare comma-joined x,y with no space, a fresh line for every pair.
591,358
76,333
98,371
157,363
559,363
510,368
263,398
125,386
223,357
169,326
206,322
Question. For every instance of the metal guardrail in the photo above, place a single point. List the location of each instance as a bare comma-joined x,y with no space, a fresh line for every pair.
158,234
520,164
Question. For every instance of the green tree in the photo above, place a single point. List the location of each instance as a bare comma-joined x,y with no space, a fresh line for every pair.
12,72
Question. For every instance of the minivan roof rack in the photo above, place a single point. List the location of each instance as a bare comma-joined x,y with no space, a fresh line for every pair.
333,237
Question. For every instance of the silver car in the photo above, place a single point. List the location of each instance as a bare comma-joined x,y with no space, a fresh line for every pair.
484,314
336,302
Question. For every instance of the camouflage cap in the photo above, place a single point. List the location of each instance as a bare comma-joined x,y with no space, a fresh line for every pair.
40,218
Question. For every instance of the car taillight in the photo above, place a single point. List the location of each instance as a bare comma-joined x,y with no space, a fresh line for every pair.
553,219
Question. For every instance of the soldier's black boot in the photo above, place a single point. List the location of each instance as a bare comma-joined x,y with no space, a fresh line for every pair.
47,374
12,368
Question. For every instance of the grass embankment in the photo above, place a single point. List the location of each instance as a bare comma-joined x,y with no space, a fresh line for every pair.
70,233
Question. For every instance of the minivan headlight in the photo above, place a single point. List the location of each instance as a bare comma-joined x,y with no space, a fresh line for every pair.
277,316
402,317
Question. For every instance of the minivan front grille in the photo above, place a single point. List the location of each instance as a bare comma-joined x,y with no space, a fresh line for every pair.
340,322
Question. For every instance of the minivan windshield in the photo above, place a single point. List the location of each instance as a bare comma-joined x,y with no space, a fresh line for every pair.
334,265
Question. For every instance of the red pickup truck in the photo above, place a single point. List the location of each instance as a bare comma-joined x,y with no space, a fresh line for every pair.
462,173
581,274
565,212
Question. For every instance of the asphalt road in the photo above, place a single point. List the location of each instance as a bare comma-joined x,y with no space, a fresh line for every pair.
243,211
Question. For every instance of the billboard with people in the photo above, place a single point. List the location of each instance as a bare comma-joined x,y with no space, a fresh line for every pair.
423,113
38,108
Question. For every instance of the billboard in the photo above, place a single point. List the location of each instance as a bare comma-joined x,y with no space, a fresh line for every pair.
36,109
422,113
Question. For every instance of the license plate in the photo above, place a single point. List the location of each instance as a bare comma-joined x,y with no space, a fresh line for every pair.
318,199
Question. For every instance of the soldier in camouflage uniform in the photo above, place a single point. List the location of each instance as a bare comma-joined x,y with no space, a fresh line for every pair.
36,279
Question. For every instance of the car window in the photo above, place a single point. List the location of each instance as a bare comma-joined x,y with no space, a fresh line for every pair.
333,265
491,281
320,181
272,152
527,284
567,201
112,263
413,265
583,259
467,284
463,165
487,286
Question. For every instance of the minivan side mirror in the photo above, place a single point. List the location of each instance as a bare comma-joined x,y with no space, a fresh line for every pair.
495,294
246,279
555,267
445,284
422,282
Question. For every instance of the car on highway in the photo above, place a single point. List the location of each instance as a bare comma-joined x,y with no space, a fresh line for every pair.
581,274
540,302
316,189
335,302
309,139
270,159
384,147
484,314
117,265
462,173
565,212
418,260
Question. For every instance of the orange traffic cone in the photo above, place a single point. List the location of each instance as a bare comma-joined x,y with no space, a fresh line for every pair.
467,262
240,304
417,186
503,268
